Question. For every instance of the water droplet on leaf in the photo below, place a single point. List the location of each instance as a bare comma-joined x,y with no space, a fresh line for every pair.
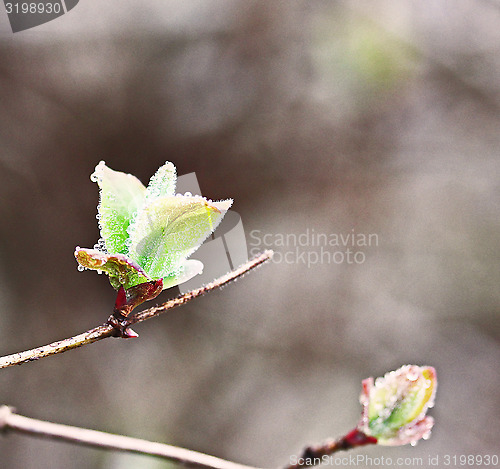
412,376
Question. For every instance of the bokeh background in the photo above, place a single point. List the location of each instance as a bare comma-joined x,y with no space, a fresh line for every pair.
375,116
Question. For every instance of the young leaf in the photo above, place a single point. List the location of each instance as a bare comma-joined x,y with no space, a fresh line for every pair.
121,270
127,300
148,233
170,229
121,195
162,183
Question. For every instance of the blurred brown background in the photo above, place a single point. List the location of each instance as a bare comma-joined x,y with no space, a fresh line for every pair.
379,116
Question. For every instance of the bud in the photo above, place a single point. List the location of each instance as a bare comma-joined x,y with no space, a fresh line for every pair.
395,406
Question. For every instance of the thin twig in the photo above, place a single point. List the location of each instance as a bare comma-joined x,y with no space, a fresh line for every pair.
9,421
221,281
106,330
318,454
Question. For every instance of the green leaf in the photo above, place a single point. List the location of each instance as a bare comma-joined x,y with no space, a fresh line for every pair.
120,269
121,196
168,230
162,183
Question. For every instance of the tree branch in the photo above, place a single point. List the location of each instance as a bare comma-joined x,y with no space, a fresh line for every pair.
106,330
9,421
310,456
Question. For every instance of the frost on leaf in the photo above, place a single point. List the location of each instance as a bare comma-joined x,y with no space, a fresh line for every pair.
395,406
120,269
162,183
121,195
148,233
170,229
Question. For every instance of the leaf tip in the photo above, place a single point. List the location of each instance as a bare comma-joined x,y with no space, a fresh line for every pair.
96,176
223,205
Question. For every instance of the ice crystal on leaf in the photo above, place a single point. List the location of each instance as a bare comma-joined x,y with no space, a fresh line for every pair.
147,233
395,406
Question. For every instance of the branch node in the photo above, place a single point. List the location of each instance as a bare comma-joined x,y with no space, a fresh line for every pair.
121,326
